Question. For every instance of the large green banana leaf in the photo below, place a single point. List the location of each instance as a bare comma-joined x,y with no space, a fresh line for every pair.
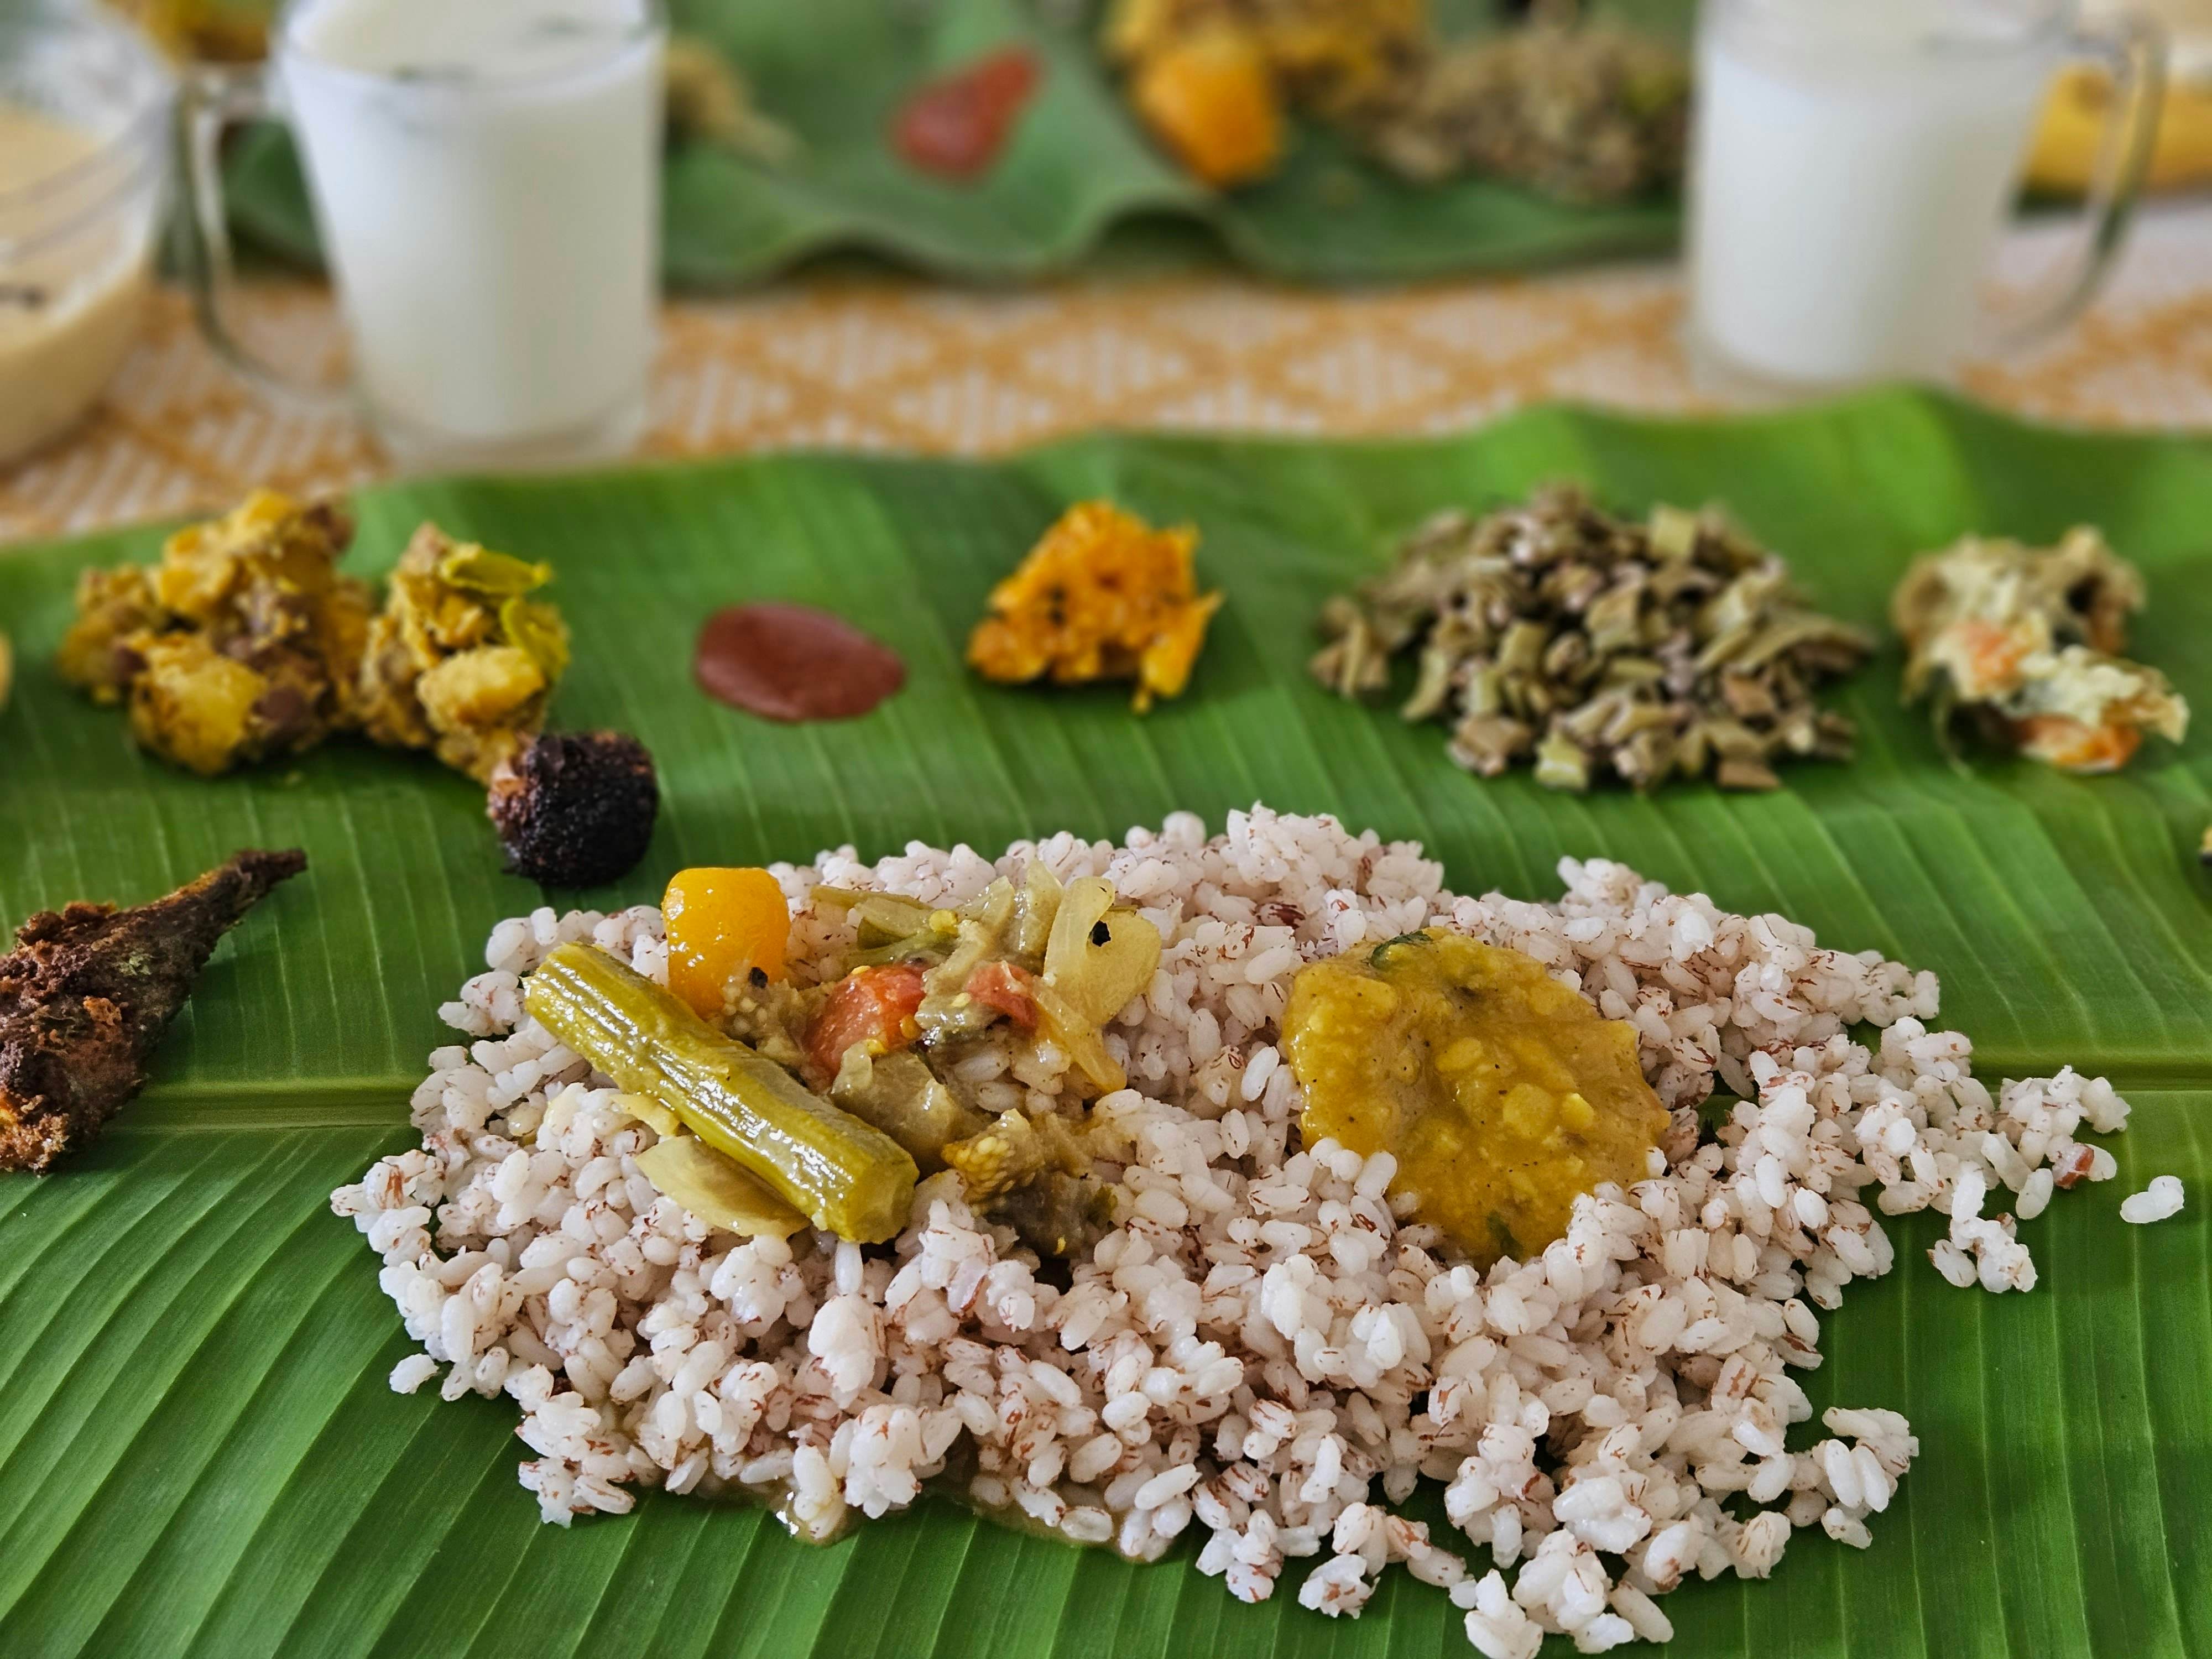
198,1450
834,70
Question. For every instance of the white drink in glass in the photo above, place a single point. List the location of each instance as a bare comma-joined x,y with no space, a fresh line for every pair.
1853,163
486,176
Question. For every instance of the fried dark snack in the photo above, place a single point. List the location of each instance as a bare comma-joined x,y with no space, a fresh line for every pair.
88,992
575,809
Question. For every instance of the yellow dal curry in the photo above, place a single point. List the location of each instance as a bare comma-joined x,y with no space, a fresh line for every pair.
1501,1092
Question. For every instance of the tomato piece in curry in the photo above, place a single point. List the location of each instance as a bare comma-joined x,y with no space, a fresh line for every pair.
1501,1092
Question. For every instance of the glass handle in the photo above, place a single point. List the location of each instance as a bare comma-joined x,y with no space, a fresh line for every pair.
214,98
2133,53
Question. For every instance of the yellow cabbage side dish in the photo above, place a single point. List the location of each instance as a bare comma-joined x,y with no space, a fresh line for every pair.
1104,596
1501,1092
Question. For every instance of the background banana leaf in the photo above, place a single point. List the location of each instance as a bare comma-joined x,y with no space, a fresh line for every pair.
198,1453
834,70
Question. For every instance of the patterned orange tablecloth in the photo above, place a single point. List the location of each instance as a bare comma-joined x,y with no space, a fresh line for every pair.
891,363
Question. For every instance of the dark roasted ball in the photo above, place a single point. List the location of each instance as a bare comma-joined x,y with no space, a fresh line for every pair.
575,809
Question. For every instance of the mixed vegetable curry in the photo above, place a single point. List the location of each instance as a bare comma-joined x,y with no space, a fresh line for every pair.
781,1105
830,1101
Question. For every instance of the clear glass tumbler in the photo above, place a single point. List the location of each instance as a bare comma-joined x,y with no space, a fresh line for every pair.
486,181
84,147
1853,164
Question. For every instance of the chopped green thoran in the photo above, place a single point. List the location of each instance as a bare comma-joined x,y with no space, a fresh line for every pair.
2023,645
1556,634
1583,112
840,1173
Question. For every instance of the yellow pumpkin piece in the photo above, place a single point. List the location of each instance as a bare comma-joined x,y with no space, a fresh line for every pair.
1211,101
722,924
479,688
1104,596
192,705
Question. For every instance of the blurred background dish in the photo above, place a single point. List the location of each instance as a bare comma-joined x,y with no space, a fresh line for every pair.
83,162
1326,115
1363,160
2065,155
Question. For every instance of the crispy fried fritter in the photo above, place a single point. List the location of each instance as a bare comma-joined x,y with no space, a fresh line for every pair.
88,992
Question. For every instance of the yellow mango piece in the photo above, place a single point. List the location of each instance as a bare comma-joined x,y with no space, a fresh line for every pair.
721,925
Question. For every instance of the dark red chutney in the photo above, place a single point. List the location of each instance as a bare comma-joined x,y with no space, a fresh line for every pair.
792,662
955,126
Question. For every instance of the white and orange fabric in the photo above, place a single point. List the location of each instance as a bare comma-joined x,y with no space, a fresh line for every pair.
896,364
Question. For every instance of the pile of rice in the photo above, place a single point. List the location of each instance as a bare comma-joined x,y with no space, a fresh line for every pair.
1261,1348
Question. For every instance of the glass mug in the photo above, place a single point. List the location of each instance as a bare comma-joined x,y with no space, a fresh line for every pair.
486,180
84,166
1852,167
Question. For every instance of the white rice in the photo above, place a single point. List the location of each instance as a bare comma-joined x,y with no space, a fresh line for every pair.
2161,1199
1260,1349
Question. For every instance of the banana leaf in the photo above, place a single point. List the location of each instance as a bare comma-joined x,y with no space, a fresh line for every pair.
199,1452
834,71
